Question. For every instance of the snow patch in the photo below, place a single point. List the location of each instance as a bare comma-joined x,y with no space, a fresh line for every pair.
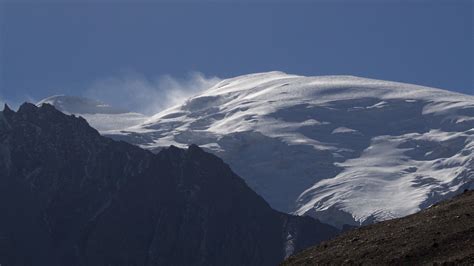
342,130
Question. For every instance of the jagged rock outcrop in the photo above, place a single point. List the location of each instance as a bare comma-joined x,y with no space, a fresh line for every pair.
69,196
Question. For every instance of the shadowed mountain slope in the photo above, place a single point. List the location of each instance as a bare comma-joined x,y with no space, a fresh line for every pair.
72,197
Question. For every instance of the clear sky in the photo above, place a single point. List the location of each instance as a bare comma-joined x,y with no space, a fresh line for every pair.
64,47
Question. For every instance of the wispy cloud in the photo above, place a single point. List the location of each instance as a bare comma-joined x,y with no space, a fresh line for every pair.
2,95
138,93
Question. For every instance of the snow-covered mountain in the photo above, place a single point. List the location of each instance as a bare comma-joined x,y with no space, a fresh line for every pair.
101,116
344,149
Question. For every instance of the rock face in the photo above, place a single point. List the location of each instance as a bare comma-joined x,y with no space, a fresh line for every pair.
440,235
69,196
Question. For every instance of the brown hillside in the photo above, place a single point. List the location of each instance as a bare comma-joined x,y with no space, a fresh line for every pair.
441,234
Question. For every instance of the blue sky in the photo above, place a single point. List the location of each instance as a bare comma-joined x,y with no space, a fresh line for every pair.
51,48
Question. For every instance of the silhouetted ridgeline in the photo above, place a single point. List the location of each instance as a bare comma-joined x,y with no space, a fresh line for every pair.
69,196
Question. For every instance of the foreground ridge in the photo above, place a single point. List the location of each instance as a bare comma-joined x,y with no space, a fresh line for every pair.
70,196
443,233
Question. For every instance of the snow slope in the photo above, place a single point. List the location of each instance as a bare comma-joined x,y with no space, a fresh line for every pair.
344,149
101,116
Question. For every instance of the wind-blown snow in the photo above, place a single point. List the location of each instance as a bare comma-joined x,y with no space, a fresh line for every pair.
344,149
101,116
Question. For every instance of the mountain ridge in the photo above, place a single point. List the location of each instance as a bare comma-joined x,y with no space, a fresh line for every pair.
86,200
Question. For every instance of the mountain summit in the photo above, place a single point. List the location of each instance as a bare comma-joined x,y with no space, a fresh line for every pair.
345,149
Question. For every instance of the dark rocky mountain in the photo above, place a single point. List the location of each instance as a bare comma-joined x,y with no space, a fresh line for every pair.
69,196
440,235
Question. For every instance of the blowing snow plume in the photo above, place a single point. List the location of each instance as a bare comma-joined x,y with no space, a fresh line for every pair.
135,92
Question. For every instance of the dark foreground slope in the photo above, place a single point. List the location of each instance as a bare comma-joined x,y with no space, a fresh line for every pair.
69,196
444,233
